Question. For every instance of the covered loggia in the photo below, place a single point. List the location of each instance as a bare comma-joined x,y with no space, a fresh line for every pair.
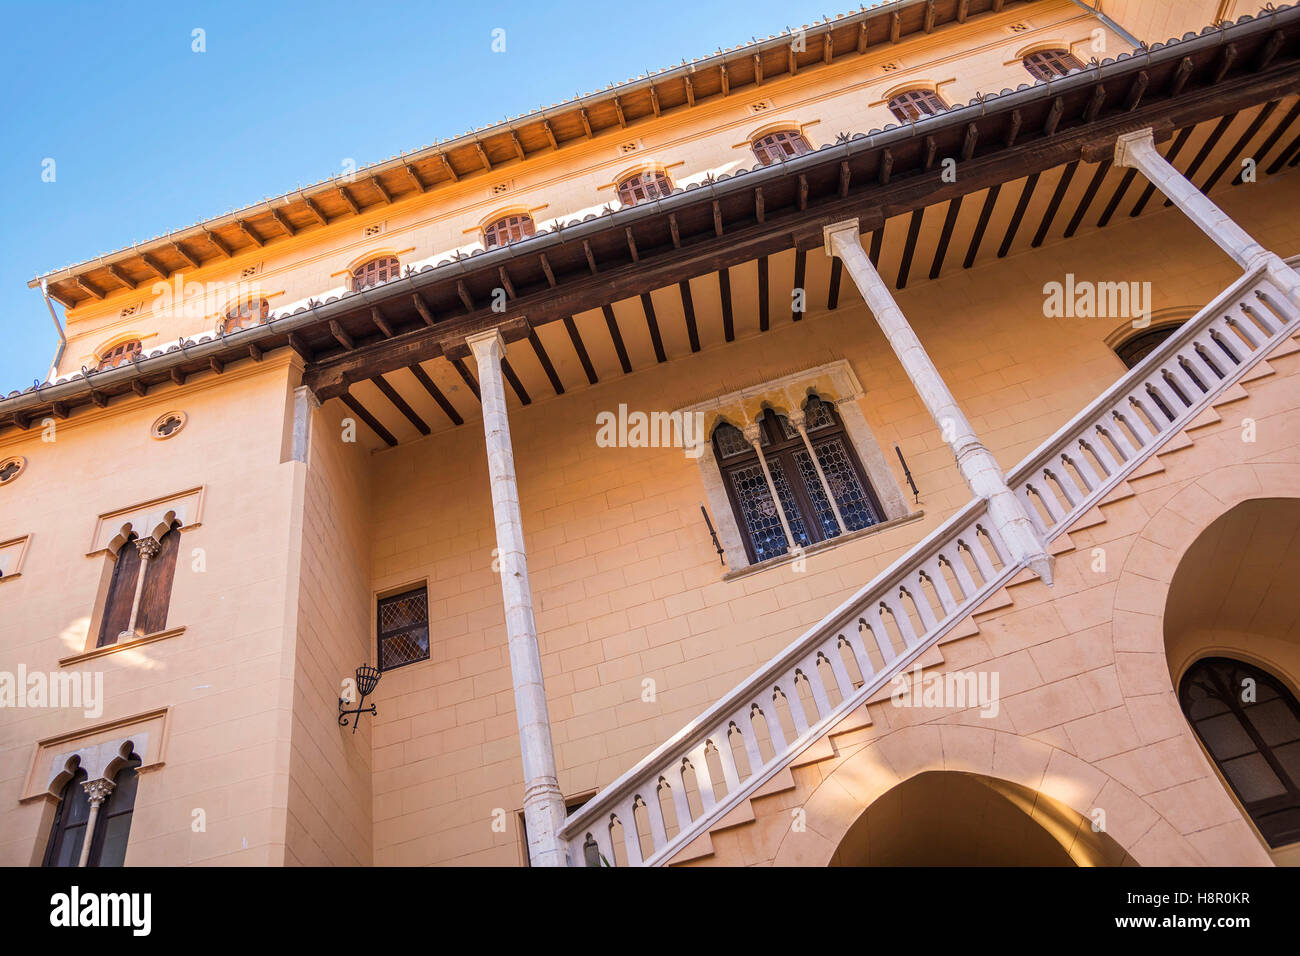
951,818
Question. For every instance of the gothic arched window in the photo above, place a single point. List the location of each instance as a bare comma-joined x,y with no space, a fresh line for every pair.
651,184
914,104
1249,723
780,145
1046,64
508,229
799,487
154,598
375,271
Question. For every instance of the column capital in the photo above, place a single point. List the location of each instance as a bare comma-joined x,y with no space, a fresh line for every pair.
148,547
98,790
1129,146
848,228
489,343
751,433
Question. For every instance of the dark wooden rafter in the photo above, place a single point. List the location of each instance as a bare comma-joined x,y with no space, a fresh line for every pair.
342,193
414,176
190,260
152,265
1282,128
377,318
833,288
316,212
1239,147
1098,177
465,376
909,248
121,277
764,309
580,349
1054,204
688,311
545,361
507,370
217,243
436,394
400,404
378,186
283,223
372,423
616,336
728,320
800,284
1026,195
945,236
652,325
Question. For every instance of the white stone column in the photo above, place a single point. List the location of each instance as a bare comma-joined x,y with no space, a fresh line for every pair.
1138,150
543,801
751,433
978,467
800,421
148,548
98,791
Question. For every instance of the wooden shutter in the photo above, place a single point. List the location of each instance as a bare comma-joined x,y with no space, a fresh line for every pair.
158,585
121,594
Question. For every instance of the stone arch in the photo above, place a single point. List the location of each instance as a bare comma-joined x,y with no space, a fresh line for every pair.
855,784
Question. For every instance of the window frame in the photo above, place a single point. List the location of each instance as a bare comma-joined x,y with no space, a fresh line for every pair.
760,146
1267,806
655,179
904,102
1052,62
118,354
380,633
783,450
391,263
501,231
238,312
110,809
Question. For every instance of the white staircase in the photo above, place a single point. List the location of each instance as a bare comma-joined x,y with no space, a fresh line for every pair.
758,729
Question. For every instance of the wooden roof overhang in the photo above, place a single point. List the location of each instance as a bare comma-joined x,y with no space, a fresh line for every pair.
487,150
553,276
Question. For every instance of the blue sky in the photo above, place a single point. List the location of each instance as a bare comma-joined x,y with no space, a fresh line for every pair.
148,136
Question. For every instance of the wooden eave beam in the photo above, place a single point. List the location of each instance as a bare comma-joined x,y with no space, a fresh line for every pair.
379,188
283,223
347,200
152,265
180,251
253,237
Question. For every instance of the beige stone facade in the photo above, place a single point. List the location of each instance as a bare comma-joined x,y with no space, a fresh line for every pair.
296,517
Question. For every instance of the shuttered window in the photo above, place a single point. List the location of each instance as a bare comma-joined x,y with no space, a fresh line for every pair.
119,354
775,147
158,578
246,315
1046,64
121,594
376,271
652,184
915,104
507,229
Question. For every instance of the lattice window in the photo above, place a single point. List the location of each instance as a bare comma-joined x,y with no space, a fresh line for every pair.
781,145
1046,64
508,229
376,271
119,354
1137,347
245,315
915,104
1249,722
651,184
798,487
403,629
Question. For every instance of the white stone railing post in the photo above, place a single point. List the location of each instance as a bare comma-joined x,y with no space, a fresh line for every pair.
98,791
1138,151
978,467
543,801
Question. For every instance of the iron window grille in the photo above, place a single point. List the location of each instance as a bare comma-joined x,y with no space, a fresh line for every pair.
403,628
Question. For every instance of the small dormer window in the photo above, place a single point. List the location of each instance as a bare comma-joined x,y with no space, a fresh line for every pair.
781,145
508,229
119,354
245,315
1046,64
375,271
913,105
651,184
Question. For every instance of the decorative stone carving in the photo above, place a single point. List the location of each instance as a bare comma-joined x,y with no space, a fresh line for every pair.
98,790
148,547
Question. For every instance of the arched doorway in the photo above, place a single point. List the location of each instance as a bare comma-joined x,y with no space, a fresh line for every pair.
1232,639
953,818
